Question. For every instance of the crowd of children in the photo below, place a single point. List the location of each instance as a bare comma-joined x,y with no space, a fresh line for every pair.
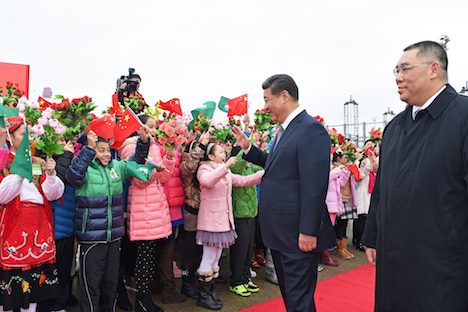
92,195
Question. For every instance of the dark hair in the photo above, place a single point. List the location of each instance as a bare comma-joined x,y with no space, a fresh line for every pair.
368,140
337,154
210,150
281,82
190,146
431,49
144,118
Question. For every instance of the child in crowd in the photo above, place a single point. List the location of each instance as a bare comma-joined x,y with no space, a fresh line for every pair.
215,217
191,256
98,218
348,208
27,250
148,218
245,209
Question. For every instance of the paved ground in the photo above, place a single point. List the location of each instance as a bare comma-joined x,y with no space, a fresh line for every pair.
267,291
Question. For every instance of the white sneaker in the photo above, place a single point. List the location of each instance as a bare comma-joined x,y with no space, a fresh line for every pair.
319,268
253,273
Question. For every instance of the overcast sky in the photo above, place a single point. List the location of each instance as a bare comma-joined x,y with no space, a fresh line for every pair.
200,50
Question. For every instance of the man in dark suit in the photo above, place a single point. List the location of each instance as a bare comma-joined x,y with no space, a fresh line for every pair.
294,220
418,218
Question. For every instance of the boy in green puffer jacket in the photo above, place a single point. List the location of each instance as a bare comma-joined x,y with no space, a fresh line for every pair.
245,209
99,216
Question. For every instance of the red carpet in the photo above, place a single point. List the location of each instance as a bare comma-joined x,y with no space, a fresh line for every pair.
351,291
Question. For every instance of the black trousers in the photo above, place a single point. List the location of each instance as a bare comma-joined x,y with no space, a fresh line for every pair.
340,228
297,277
99,273
192,252
358,228
241,251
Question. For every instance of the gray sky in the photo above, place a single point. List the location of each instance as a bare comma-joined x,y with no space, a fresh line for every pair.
200,50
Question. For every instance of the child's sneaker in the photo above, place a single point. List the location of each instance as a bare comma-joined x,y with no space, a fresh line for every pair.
252,287
253,273
240,290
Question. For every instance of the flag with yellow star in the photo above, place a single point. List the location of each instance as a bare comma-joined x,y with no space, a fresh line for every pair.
171,106
43,103
103,127
238,106
21,164
128,124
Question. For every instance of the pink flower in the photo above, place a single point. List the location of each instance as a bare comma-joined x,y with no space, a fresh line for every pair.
172,139
219,126
38,129
60,129
179,130
42,121
21,107
180,140
185,132
22,100
162,140
21,114
169,131
163,126
174,123
34,105
47,113
53,122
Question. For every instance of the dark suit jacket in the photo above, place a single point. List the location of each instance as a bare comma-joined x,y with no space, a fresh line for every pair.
418,218
294,186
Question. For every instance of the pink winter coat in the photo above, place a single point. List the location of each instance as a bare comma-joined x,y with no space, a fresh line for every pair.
148,211
216,182
3,157
337,179
175,190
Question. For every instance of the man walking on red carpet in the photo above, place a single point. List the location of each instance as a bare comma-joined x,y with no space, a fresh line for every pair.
294,219
418,219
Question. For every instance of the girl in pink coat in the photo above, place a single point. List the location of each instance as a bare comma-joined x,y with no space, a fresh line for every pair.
148,218
215,217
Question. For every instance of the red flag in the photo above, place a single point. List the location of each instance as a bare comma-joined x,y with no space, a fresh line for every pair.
128,124
238,106
171,106
43,103
103,127
116,109
354,170
16,73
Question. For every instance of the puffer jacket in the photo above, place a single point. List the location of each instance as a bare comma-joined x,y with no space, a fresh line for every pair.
175,192
337,179
99,194
148,215
244,199
216,182
63,210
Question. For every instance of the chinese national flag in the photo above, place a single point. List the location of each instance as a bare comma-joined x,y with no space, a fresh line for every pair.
238,106
171,106
43,103
128,124
116,109
354,170
103,127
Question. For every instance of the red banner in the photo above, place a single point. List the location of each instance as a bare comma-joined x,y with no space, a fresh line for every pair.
16,73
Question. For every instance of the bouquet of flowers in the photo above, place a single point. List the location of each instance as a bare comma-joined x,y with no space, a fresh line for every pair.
222,132
333,136
75,115
136,102
154,113
13,93
349,150
262,120
375,135
47,130
202,123
320,119
171,133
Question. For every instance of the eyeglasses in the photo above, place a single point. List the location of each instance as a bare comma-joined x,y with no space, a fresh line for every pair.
404,67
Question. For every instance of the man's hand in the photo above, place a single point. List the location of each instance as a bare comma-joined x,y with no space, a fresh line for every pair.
307,243
371,254
241,138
